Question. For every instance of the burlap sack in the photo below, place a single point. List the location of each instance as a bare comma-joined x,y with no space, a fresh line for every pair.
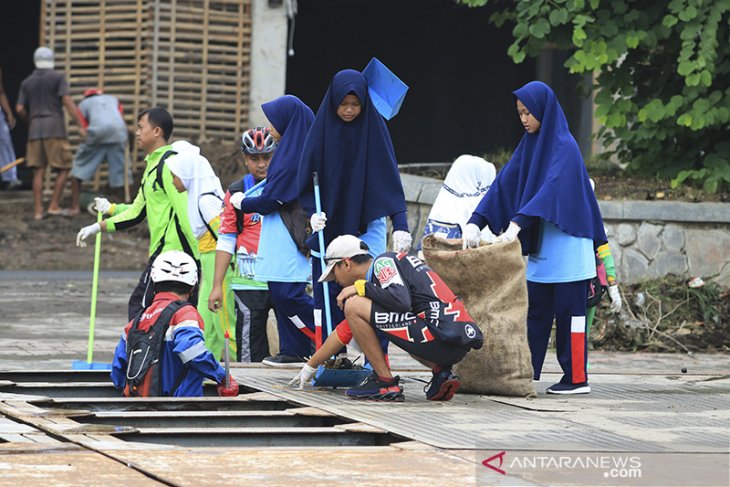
491,281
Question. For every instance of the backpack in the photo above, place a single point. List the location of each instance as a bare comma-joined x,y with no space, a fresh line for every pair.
200,212
158,170
144,349
159,183
597,286
237,187
465,335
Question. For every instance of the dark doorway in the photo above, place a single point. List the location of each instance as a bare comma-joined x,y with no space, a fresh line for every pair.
454,61
19,34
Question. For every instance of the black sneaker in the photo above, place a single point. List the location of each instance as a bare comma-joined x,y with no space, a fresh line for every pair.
280,360
443,385
375,389
561,388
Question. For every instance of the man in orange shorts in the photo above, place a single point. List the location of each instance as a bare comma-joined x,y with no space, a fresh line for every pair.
41,100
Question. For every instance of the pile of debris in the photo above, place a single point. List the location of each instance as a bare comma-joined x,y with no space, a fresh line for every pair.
667,315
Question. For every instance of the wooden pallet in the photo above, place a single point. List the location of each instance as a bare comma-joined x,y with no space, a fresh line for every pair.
190,56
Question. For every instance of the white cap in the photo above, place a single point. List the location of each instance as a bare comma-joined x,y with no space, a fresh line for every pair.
338,249
43,58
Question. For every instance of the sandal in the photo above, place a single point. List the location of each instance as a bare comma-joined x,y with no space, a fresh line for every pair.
61,212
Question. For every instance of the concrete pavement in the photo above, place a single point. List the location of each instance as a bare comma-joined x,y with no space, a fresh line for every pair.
645,423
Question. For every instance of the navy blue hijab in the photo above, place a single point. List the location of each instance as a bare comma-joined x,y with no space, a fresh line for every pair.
292,119
358,174
545,178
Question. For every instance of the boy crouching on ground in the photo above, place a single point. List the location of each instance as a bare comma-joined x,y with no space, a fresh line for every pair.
162,350
399,297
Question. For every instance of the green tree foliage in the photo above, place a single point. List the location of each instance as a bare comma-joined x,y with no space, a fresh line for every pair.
662,88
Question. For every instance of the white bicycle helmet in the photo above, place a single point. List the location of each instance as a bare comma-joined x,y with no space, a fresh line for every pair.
258,141
174,265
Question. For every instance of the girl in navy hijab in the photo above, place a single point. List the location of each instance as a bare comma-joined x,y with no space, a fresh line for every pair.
350,149
543,195
279,262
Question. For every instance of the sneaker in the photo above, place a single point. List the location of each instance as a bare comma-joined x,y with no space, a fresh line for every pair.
280,360
443,385
375,389
561,388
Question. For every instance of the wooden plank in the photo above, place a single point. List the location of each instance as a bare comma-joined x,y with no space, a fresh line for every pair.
171,54
239,69
102,55
204,84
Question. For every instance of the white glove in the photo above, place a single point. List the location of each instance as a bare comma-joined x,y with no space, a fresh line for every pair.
402,241
615,296
304,376
472,236
103,205
85,233
236,199
318,221
487,235
510,234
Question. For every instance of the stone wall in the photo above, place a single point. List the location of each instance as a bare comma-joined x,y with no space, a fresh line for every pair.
648,239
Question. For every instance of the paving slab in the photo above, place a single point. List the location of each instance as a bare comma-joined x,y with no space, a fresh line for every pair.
623,413
641,405
63,465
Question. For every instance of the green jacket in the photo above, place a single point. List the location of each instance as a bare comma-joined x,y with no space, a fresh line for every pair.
164,207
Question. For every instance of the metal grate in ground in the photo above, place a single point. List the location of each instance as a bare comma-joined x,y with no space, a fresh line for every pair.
65,403
620,415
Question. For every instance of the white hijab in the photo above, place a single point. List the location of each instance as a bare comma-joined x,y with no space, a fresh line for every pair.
198,177
466,183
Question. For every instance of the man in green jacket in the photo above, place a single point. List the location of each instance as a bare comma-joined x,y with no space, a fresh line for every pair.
157,200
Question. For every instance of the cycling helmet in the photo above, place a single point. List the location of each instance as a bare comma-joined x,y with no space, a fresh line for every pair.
174,265
258,141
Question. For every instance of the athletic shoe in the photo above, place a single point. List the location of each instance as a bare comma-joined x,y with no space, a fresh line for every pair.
443,385
561,388
375,389
282,361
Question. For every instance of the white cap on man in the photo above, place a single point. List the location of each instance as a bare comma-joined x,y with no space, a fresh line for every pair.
43,58
338,249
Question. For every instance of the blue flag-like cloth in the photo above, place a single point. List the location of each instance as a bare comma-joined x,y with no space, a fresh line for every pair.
546,178
358,173
292,119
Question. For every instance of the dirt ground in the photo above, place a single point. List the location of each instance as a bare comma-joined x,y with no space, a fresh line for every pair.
672,318
50,244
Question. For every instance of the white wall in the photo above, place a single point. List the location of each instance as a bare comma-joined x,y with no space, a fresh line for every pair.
268,57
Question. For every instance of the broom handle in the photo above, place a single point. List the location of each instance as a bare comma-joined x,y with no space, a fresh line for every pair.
320,236
94,288
227,359
8,167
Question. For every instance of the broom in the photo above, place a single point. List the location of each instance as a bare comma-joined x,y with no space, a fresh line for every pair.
330,377
89,364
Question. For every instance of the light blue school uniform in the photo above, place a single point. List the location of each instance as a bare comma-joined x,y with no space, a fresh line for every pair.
279,260
561,257
376,237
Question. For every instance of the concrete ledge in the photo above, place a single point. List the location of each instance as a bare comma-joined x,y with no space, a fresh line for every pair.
667,211
423,190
